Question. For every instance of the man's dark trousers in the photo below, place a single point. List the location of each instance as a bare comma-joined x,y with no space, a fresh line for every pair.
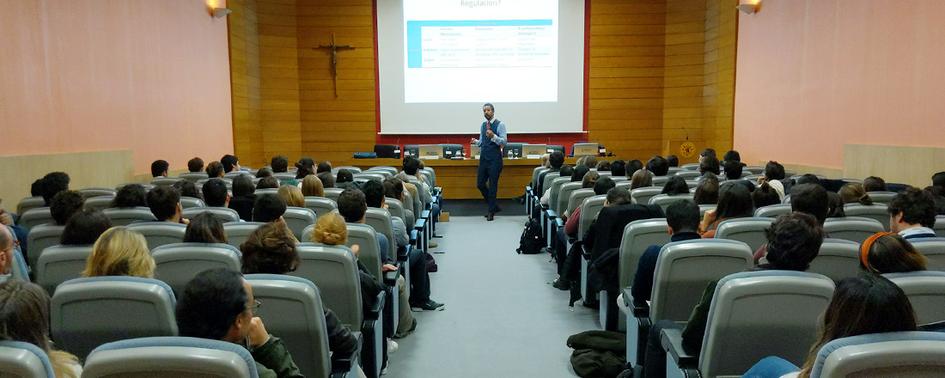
489,170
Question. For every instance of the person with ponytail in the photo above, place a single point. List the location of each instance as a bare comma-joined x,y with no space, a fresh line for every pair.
24,316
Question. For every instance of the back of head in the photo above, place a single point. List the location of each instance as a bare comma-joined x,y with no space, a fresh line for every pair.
270,249
84,227
633,166
205,228
938,179
304,167
36,189
344,176
774,171
131,195
887,252
708,152
793,241
618,196
243,186
159,168
189,189
658,165
603,185
683,216
263,172
229,162
24,313
210,303
676,185
269,182
874,184
590,161
733,169
579,173
312,186
324,166
916,206
732,155
352,205
710,164
195,165
120,252
163,201
810,199
556,159
734,201
835,206
589,180
330,229
215,169
393,188
279,164
618,168
64,204
641,178
938,194
566,171
292,195
672,160
373,193
807,178
411,165
268,208
214,192
707,192
854,193
52,184
603,165
327,179
765,195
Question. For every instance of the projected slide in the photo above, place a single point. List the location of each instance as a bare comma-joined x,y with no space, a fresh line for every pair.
468,50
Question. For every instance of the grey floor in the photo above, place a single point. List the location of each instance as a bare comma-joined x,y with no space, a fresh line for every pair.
502,317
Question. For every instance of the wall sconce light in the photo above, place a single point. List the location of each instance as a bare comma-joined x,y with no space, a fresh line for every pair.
221,12
749,6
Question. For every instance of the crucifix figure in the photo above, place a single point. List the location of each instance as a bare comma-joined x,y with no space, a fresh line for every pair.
333,48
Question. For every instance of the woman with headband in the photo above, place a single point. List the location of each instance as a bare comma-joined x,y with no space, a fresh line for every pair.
887,252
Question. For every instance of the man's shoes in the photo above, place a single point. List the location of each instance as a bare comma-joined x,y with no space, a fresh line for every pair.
560,284
432,245
490,217
413,327
429,305
392,346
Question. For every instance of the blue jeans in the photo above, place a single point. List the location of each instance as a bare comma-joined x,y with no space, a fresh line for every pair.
772,367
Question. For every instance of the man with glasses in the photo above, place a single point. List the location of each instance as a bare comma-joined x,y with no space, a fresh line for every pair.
218,304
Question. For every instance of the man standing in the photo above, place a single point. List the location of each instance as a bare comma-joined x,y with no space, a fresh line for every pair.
492,138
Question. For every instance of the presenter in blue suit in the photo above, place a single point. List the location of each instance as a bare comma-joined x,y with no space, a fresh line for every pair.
491,141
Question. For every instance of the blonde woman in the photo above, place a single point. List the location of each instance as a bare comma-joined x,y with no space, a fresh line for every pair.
120,252
312,186
24,316
292,196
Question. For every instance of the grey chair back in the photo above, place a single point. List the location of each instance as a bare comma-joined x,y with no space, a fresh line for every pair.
577,198
370,250
145,306
926,292
773,211
689,167
320,205
351,168
554,185
548,180
224,214
564,194
637,237
20,359
875,211
60,263
28,203
19,270
673,170
748,230
934,251
334,269
97,192
191,202
758,314
664,200
123,216
99,202
35,217
536,174
168,181
855,229
262,191
238,232
688,175
882,197
159,233
901,354
660,180
642,195
42,237
367,176
380,220
333,193
589,211
194,176
176,264
170,356
297,218
382,168
837,259
940,226
293,309
685,268
396,208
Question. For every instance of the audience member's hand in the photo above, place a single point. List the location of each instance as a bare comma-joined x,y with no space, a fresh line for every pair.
707,219
388,268
356,249
257,332
5,218
185,221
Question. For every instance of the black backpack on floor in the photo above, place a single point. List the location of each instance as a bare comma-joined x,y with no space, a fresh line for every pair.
532,241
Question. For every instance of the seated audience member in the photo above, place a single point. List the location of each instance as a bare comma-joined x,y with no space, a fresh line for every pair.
84,227
566,171
292,195
835,206
854,193
774,171
591,162
734,202
641,178
658,166
243,197
159,168
708,152
673,161
268,208
24,317
683,219
304,167
215,170
187,189
603,165
6,252
555,162
230,163
601,187
120,252
205,228
912,214
345,179
543,161
618,168
412,168
710,164
733,169
164,202
808,178
588,182
131,195
633,166
324,166
64,204
268,182
330,229
874,184
195,165
374,197
793,242
215,193
938,179
860,305
732,155
887,252
327,179
52,184
312,186
707,192
675,185
264,172
937,192
810,199
218,304
279,164
765,195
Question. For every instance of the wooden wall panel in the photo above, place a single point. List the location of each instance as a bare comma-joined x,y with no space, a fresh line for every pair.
245,79
279,73
721,29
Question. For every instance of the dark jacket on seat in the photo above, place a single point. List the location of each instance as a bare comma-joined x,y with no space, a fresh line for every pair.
273,360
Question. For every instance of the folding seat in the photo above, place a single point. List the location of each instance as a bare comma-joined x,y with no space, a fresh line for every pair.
787,199
238,232
590,207
170,356
28,203
35,217
855,229
688,174
234,174
548,212
353,169
42,237
147,187
88,312
160,233
754,169
432,173
577,197
683,270
637,237
748,230
882,197
366,176
320,205
390,170
190,202
940,226
96,192
370,255
876,211
773,211
664,200
284,177
624,184
297,218
19,359
641,196
690,167
564,194
926,292
123,216
60,263
176,264
837,259
262,191
903,354
672,171
554,217
549,182
396,209
99,202
692,184
753,315
333,193
660,181
934,251
380,221
168,181
193,176
224,214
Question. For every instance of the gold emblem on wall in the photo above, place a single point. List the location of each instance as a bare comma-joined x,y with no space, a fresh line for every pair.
687,149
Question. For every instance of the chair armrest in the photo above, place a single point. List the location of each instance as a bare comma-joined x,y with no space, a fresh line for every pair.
390,277
421,224
559,222
404,253
640,310
425,214
551,214
376,310
414,235
671,339
342,367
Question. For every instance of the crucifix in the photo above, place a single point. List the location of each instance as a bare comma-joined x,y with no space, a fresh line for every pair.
333,48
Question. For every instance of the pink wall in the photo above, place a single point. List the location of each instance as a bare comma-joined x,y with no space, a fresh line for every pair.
151,76
813,75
